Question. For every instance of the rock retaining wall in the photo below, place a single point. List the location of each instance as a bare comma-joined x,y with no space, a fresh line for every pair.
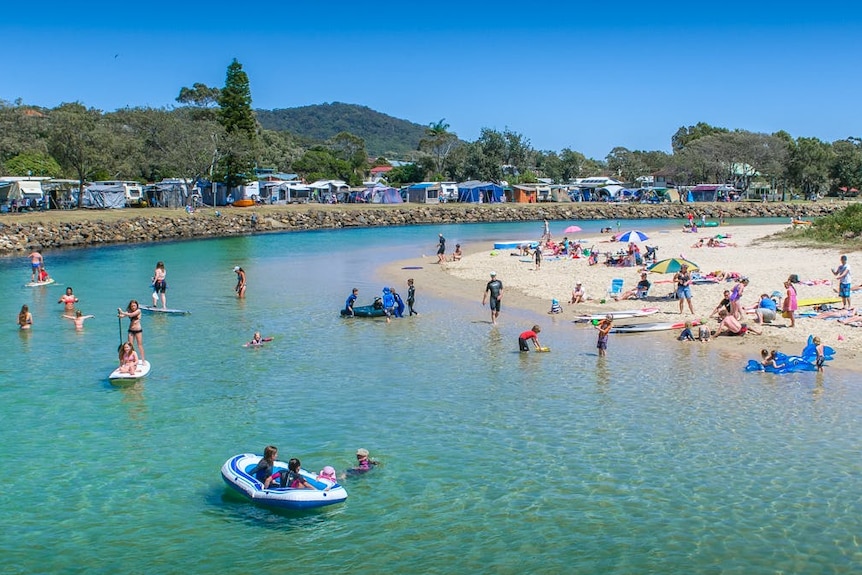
18,234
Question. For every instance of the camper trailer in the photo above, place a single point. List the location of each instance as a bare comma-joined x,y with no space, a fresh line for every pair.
22,192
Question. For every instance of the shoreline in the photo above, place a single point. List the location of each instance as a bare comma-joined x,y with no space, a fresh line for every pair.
61,229
765,260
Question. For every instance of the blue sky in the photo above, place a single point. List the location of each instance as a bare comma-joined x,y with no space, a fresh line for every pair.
586,78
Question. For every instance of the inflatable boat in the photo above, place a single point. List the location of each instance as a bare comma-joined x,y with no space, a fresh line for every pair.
235,473
365,311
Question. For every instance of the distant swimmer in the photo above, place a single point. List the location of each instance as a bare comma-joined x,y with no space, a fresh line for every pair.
79,318
68,299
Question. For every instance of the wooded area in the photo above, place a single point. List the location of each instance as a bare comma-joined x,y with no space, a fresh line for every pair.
214,134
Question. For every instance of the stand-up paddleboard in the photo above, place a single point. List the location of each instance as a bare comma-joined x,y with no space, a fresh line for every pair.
262,341
142,371
167,310
47,282
656,326
622,314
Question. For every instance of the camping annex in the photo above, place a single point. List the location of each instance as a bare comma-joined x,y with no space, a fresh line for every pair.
104,196
480,192
385,195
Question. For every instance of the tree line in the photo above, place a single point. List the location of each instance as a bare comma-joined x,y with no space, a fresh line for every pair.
213,133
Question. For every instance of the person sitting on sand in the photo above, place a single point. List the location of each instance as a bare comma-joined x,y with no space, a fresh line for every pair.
686,334
640,291
556,307
703,333
731,326
724,304
456,255
578,294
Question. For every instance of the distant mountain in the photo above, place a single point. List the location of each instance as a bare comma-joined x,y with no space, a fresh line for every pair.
383,135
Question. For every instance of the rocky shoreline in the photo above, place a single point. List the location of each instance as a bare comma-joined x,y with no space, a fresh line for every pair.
78,228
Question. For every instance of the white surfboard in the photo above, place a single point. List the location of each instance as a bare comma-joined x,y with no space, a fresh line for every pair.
167,310
142,371
47,282
622,314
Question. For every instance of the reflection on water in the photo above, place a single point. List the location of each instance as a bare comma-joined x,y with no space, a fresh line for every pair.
657,458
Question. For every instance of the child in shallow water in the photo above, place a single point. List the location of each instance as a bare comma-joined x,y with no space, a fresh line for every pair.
686,334
556,307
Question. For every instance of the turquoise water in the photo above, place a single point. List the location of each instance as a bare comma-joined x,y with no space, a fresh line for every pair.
660,458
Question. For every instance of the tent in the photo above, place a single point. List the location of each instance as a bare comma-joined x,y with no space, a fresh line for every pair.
99,196
386,195
480,192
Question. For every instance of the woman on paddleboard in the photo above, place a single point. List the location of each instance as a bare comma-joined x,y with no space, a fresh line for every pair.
136,333
160,286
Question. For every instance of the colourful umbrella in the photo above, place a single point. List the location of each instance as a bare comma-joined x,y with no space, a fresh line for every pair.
672,265
572,229
633,236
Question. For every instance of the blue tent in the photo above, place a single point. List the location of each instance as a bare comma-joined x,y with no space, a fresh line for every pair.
484,192
384,195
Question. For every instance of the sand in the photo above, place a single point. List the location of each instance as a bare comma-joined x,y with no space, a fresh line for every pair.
766,261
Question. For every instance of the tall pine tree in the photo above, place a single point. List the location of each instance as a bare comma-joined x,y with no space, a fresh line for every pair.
240,124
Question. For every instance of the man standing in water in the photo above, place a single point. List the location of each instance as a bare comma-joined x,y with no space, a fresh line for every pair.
495,289
441,249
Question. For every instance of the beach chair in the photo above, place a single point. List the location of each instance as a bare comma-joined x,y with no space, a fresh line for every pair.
616,288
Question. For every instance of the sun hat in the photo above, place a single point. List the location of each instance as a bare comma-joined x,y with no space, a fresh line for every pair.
236,268
493,273
328,472
554,302
362,452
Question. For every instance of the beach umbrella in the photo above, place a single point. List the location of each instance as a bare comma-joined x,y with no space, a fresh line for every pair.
672,265
633,236
572,229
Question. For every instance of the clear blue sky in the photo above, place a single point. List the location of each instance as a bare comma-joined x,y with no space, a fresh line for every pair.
564,75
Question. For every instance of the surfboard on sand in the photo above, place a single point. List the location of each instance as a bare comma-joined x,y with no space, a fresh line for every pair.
142,371
622,314
655,326
817,301
47,282
167,310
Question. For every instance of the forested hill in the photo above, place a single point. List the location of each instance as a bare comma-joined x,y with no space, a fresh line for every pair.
383,135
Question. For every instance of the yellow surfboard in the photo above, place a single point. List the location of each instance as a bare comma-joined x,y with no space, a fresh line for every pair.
817,301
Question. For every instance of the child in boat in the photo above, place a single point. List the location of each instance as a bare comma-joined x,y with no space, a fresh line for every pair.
363,461
263,470
128,358
293,478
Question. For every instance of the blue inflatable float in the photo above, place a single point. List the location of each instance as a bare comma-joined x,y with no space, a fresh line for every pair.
793,363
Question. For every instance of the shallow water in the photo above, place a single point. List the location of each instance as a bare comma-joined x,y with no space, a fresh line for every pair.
658,458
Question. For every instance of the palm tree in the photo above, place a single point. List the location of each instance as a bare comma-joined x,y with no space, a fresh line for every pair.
438,142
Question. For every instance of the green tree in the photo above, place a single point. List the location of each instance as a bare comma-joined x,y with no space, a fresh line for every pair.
846,168
405,174
23,129
808,165
33,163
80,141
236,116
199,95
684,136
438,142
350,148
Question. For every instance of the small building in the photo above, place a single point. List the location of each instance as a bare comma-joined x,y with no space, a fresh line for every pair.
524,194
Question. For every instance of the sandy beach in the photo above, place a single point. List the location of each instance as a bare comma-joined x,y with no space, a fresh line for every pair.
752,252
